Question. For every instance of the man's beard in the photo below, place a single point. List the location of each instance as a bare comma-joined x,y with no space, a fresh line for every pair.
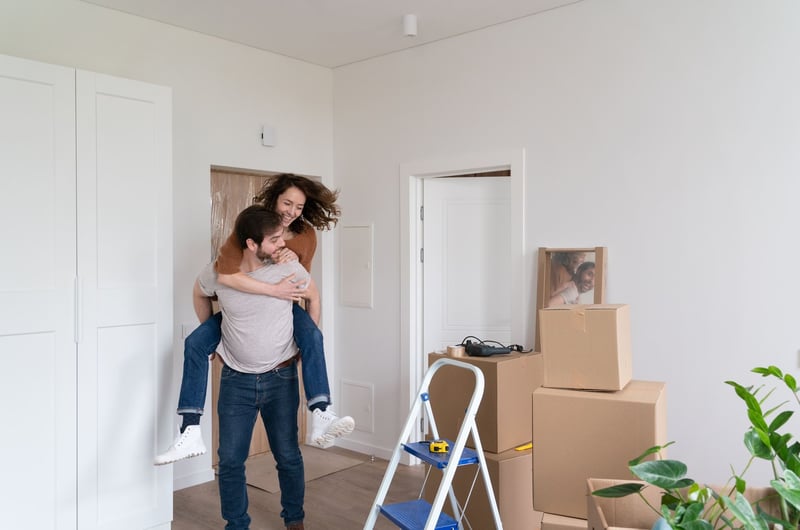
262,256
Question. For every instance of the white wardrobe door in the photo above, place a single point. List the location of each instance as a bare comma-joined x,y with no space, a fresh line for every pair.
125,270
37,272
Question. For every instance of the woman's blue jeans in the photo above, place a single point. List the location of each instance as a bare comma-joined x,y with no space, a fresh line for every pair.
204,340
242,397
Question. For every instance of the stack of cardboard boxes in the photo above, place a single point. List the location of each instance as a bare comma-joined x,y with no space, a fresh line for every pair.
503,423
575,401
589,418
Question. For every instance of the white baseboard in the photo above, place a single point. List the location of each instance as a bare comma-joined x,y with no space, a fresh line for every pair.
193,479
385,454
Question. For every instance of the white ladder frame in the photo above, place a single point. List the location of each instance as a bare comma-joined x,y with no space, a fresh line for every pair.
467,426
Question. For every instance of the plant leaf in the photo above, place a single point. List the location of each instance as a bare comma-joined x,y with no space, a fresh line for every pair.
748,397
697,524
791,462
683,483
757,419
667,474
790,495
756,446
698,493
771,519
669,501
651,451
779,444
740,508
692,512
790,382
619,490
791,479
780,420
741,485
774,371
773,409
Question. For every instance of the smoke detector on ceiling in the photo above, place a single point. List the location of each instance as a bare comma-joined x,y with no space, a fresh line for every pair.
410,25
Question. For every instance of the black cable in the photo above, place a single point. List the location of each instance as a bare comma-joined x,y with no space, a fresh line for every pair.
464,340
513,347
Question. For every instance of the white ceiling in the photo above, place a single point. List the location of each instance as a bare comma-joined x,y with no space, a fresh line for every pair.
331,32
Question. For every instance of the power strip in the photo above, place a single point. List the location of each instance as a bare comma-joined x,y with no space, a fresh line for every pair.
484,350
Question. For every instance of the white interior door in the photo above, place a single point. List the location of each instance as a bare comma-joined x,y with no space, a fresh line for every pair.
37,272
466,270
125,277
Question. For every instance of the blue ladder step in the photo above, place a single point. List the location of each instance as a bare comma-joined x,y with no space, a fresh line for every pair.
440,460
412,515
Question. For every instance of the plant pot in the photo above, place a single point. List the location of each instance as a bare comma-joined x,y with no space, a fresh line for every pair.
661,524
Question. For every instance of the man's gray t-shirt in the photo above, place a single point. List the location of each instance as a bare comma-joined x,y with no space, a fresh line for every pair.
257,330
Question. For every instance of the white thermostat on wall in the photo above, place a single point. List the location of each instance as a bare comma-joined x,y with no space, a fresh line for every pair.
267,136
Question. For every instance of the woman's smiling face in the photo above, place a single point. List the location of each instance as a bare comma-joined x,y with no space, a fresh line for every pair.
290,205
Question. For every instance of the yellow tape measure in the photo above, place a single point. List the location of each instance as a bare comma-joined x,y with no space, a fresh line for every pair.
439,446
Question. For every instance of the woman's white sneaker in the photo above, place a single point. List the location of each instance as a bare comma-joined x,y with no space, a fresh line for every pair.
327,426
187,444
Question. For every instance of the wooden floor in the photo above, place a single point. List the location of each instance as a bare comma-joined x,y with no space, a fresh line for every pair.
340,501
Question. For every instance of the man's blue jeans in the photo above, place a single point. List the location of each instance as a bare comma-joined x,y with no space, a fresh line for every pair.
204,340
242,397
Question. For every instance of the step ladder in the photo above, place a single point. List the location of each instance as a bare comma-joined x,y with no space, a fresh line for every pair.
419,514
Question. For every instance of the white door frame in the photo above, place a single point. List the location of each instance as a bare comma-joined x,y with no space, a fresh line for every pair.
411,176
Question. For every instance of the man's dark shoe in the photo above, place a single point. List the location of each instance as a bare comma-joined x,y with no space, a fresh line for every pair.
295,526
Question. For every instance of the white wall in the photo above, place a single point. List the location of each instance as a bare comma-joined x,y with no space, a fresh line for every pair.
668,131
222,94
664,130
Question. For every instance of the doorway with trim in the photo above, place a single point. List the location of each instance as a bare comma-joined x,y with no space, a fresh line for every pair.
415,279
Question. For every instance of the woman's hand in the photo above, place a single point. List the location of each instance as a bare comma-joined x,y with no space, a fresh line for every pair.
289,289
284,255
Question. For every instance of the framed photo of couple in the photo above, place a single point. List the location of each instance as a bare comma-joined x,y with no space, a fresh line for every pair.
570,276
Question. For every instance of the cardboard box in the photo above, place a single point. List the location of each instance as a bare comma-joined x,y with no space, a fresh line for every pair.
502,418
631,513
510,473
579,434
559,522
586,346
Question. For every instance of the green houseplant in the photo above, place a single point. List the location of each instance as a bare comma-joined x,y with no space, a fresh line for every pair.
765,440
686,505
